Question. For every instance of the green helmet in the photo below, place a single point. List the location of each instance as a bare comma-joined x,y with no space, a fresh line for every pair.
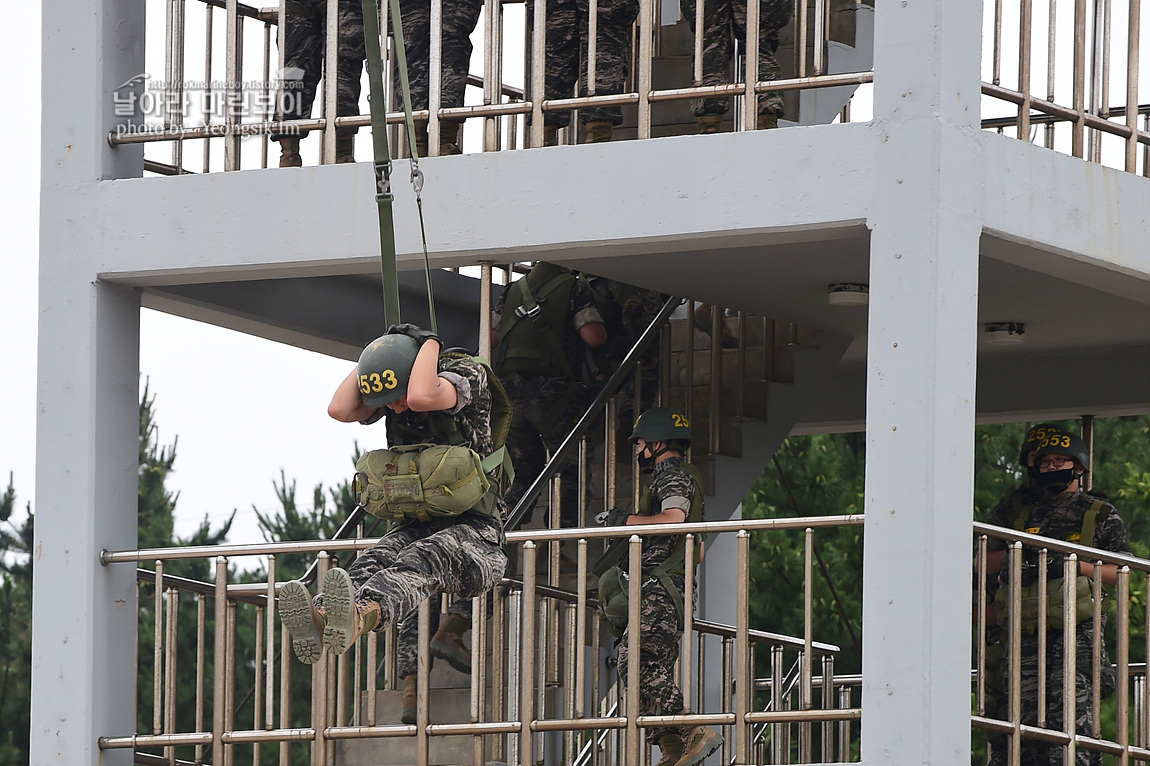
1035,437
662,424
385,368
1065,443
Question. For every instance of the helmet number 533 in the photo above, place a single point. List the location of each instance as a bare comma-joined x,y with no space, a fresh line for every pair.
378,381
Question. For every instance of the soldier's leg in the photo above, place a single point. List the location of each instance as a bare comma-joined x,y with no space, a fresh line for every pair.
459,20
773,16
558,426
352,53
302,41
718,50
659,637
416,22
561,55
615,19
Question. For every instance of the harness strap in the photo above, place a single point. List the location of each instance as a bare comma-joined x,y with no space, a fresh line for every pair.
1088,522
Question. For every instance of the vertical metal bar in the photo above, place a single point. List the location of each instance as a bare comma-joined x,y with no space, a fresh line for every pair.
1069,657
718,321
743,669
828,732
751,79
1024,33
579,645
181,100
1096,651
230,684
286,658
574,648
980,619
1051,47
634,644
1100,73
370,675
492,86
499,706
281,54
845,725
697,55
330,81
768,349
319,676
689,557
157,650
1122,733
801,22
1043,586
1079,95
208,80
778,730
701,673
805,696
689,378
170,671
996,70
727,685
741,366
1014,636
435,79
538,54
201,656
267,110
479,678
423,684
1133,40
485,288
219,659
646,37
527,643
169,71
592,45
257,683
820,55
343,689
232,87
1145,717
270,632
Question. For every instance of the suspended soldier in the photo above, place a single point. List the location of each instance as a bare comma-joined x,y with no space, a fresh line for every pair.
1061,511
662,437
441,540
305,24
724,23
545,320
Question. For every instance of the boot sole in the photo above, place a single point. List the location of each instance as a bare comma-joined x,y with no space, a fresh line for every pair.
451,656
295,615
708,746
339,608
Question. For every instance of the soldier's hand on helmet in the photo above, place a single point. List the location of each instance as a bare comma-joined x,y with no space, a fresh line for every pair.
615,517
420,335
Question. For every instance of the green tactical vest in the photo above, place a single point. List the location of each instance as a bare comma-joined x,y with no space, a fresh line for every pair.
534,319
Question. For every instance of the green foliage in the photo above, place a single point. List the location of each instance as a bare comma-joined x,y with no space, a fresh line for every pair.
291,523
15,630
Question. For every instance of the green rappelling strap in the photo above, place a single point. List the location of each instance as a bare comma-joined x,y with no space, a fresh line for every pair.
382,166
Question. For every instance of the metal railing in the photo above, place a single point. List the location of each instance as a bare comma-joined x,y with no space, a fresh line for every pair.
1070,75
509,112
539,687
1024,722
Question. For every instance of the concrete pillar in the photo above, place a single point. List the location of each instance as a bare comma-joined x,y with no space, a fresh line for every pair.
921,383
84,614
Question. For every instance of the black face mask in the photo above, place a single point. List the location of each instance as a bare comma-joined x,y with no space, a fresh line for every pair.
1055,482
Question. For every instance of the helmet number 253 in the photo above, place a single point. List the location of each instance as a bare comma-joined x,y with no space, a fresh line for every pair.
378,381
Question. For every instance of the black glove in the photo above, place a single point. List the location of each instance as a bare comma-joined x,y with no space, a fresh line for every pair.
420,335
615,517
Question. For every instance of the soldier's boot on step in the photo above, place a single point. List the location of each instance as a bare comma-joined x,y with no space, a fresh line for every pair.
345,149
767,121
407,711
700,742
447,643
420,138
303,621
550,135
671,746
449,139
346,618
289,152
710,123
597,131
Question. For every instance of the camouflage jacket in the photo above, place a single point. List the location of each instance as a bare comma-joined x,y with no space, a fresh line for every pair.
670,482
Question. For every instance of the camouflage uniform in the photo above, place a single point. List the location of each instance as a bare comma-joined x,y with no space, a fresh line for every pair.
459,19
724,22
303,44
660,628
1060,517
407,640
535,429
462,555
566,54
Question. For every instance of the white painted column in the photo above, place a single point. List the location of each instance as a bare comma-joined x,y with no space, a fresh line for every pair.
921,383
84,614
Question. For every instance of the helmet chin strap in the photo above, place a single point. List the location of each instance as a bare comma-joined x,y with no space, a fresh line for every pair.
649,462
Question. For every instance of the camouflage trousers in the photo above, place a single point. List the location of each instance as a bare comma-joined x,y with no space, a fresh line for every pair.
463,556
724,22
539,425
303,44
1035,753
459,19
660,633
566,54
407,638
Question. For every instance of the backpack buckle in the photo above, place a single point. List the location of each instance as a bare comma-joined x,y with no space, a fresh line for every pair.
531,313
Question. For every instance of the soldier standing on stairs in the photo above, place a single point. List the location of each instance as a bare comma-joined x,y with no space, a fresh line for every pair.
303,44
424,397
446,644
662,437
566,62
545,320
724,22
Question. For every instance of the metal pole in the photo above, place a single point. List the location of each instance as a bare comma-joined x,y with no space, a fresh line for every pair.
527,645
715,399
996,72
805,696
1051,40
219,654
201,650
743,668
232,88
1088,439
1077,141
330,81
1122,733
646,37
257,684
1025,31
1132,57
208,78
634,644
435,79
492,90
270,631
423,684
157,650
538,54
171,671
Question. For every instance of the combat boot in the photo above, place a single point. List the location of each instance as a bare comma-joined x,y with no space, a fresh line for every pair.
289,152
597,131
551,135
420,139
344,149
767,121
710,123
447,643
407,711
303,621
449,137
699,742
345,618
671,745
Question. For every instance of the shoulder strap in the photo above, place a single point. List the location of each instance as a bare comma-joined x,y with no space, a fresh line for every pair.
1088,523
1021,510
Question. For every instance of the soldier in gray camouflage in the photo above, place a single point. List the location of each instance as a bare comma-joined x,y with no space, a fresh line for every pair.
462,555
303,44
446,643
1063,512
566,61
546,395
458,21
661,437
724,22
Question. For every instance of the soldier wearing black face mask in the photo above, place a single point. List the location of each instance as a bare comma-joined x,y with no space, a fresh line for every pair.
1062,511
